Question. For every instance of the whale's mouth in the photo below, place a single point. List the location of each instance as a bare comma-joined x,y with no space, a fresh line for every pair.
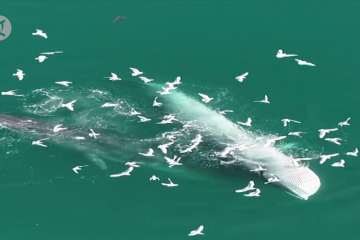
301,183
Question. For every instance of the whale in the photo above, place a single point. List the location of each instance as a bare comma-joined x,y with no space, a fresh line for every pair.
218,133
296,179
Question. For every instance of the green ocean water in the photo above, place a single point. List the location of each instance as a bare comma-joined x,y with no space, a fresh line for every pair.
208,44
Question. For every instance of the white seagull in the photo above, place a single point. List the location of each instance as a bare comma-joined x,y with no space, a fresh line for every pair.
109,105
223,112
51,53
146,80
58,128
40,33
69,105
20,74
253,194
134,112
242,77
295,133
281,54
266,100
165,146
41,58
249,187
272,179
170,184
273,140
64,83
205,98
144,119
77,168
258,169
247,123
170,85
339,164
126,173
286,121
113,77
177,80
133,164
93,134
323,158
11,93
135,72
354,153
334,140
323,132
153,178
301,62
345,123
150,153
156,104
165,91
197,231
39,142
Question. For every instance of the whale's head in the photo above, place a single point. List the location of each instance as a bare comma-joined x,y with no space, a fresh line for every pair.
22,124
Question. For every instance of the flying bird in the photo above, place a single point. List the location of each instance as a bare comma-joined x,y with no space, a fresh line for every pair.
77,168
41,58
150,153
40,33
20,74
51,53
301,62
339,164
197,231
286,121
334,140
69,105
354,153
323,158
205,98
345,123
242,77
266,100
135,72
247,123
64,83
170,184
249,187
323,132
281,54
113,77
253,194
125,173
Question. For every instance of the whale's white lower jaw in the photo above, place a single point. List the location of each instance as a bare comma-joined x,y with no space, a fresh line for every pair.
301,183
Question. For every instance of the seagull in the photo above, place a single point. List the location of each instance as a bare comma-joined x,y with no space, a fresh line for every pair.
225,111
58,128
177,81
113,77
134,112
170,85
286,121
273,179
323,132
153,178
64,83
164,147
40,33
172,162
93,134
250,186
271,141
266,100
301,62
144,119
295,133
300,159
242,77
77,168
126,173
281,54
258,169
41,58
354,153
197,231
205,98
150,153
135,72
12,93
156,104
51,53
146,80
133,164
79,138
69,105
171,184
39,142
334,140
20,74
339,164
323,158
247,123
345,123
253,194
109,105
165,91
